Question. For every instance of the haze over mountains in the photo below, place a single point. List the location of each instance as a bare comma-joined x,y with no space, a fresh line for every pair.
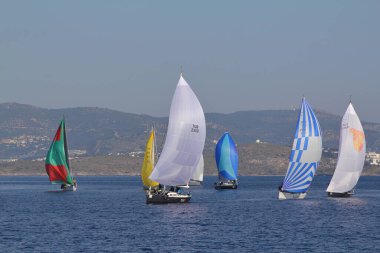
26,131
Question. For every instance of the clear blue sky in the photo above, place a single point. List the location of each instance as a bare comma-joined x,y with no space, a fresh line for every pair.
236,55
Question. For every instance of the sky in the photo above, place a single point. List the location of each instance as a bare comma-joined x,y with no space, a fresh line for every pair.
236,55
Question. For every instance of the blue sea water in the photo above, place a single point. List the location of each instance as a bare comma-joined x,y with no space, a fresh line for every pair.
109,214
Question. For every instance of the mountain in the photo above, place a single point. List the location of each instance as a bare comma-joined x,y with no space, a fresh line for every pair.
278,127
26,131
254,159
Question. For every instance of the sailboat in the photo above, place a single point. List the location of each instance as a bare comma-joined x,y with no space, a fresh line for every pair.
304,157
197,177
148,162
226,158
182,149
352,148
57,162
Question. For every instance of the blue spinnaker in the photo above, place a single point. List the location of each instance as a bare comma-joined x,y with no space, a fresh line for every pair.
226,157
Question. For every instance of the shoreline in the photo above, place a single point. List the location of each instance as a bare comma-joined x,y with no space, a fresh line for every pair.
138,175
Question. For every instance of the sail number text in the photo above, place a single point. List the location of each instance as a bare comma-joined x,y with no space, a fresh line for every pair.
195,129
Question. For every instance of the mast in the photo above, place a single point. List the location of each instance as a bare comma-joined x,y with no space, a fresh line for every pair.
66,146
154,146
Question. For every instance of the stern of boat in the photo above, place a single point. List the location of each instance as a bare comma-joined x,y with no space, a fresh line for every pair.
289,195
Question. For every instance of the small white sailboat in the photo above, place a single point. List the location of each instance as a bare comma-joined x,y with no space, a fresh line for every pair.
182,149
352,148
304,157
197,177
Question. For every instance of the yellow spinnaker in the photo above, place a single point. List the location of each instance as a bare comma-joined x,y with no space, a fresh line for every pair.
148,163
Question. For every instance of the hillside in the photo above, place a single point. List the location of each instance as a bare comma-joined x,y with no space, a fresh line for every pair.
254,159
26,131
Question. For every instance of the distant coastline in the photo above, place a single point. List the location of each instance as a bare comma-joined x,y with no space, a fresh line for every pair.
270,160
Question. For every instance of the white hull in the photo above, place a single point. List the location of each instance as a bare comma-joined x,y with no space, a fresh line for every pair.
288,195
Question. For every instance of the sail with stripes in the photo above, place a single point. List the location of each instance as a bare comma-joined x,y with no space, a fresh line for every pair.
306,152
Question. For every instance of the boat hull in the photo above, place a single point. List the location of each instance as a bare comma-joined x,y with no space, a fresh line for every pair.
289,195
340,195
167,198
225,186
69,188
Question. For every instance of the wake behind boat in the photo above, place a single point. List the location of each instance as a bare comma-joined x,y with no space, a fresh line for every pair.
227,162
182,150
352,148
57,162
304,157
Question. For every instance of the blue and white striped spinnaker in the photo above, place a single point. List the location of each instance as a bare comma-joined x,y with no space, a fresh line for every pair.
306,152
226,158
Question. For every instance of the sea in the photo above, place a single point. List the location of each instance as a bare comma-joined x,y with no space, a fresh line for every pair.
109,214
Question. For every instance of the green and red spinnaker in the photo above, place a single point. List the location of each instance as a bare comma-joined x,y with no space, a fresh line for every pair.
57,162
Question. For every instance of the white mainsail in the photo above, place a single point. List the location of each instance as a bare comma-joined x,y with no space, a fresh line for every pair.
185,138
198,172
352,148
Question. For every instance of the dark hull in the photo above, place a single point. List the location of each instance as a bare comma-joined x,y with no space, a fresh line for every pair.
225,186
68,187
166,199
340,195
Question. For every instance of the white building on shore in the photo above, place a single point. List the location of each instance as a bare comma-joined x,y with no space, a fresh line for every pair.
373,158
